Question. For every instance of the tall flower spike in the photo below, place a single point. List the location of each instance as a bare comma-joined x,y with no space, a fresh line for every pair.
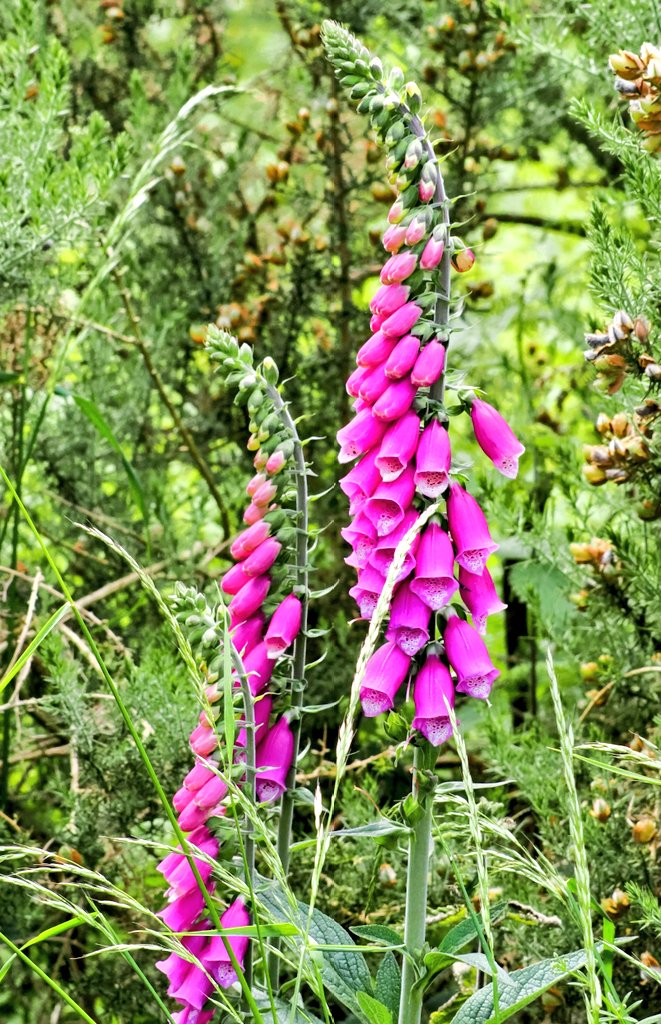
259,644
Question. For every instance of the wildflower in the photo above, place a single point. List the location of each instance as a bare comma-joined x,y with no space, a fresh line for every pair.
479,595
463,260
262,558
393,237
367,590
432,461
496,438
395,400
468,656
432,254
398,268
245,543
429,365
374,384
409,621
216,955
375,350
433,695
249,599
362,433
389,298
469,529
362,479
402,357
284,626
402,320
387,506
434,581
383,551
385,672
398,447
274,758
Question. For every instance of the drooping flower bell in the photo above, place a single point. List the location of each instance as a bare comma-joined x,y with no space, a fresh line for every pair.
496,438
470,532
433,694
385,672
468,656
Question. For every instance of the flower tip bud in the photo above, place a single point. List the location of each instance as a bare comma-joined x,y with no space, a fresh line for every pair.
463,260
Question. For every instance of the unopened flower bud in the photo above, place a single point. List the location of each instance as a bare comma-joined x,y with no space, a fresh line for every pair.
603,424
270,371
644,830
463,260
413,97
600,809
594,475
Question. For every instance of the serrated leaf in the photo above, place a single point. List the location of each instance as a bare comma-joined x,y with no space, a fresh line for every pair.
380,933
375,1012
547,585
524,987
388,984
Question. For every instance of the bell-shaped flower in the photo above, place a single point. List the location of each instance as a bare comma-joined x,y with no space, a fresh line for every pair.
258,667
363,432
385,672
203,740
397,448
408,625
402,320
398,268
245,543
361,535
433,695
468,655
216,955
480,597
434,581
248,633
402,358
362,479
429,365
284,626
182,912
262,708
249,599
432,254
383,553
390,501
273,760
496,438
393,237
367,591
262,558
395,400
234,579
195,989
374,384
469,529
432,461
388,298
355,379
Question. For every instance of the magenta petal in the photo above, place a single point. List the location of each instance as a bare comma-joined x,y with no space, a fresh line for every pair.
409,621
385,672
390,501
468,655
480,597
397,447
434,581
284,626
470,533
496,438
433,692
402,358
429,365
432,462
396,400
273,759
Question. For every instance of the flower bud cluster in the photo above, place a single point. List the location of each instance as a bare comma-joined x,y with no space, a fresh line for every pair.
621,349
260,640
638,80
400,438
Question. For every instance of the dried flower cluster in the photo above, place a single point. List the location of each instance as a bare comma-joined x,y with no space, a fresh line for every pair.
399,433
638,80
259,640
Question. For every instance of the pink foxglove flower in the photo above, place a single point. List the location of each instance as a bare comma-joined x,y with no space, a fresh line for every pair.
432,461
434,581
258,667
390,501
249,599
397,447
362,433
375,351
398,268
409,621
254,484
385,672
432,254
496,438
216,955
374,384
176,967
274,758
262,712
254,513
245,543
402,358
468,655
429,365
248,633
195,989
262,558
433,694
367,590
361,534
479,595
203,740
275,462
389,298
384,550
284,626
177,870
234,579
416,230
402,320
355,379
362,479
393,237
469,529
395,400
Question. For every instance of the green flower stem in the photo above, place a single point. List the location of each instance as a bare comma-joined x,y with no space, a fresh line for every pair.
417,881
45,977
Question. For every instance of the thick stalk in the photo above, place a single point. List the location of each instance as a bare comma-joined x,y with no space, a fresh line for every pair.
300,644
415,920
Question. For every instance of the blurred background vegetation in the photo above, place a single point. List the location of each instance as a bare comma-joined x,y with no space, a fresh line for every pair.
126,224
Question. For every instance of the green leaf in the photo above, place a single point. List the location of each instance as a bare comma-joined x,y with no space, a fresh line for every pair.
382,827
379,933
33,645
91,410
375,1012
9,376
524,987
388,983
465,932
